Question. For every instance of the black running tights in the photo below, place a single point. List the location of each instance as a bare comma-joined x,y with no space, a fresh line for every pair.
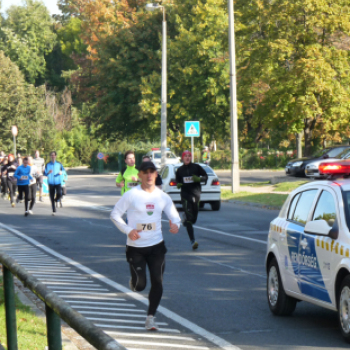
24,189
191,208
154,258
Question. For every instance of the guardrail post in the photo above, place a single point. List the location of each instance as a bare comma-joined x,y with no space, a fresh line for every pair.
53,324
10,309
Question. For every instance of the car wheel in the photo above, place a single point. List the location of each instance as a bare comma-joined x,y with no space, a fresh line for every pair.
279,302
201,205
215,205
344,308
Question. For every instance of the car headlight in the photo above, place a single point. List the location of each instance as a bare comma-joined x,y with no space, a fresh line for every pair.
297,163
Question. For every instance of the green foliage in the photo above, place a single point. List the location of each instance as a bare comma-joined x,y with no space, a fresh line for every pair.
26,37
293,68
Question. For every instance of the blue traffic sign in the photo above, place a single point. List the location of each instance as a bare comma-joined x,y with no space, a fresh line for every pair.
192,129
100,155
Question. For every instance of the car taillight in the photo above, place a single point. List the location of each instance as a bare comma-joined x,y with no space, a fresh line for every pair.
335,168
172,183
215,182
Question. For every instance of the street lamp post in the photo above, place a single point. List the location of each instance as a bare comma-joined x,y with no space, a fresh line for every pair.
14,131
163,120
233,101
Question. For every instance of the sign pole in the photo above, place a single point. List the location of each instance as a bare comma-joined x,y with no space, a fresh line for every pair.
192,149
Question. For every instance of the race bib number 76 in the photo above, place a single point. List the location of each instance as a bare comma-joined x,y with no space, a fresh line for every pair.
146,227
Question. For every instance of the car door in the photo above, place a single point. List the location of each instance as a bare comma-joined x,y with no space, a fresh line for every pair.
290,236
315,265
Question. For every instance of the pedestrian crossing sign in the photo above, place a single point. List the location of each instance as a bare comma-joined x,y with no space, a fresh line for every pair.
192,129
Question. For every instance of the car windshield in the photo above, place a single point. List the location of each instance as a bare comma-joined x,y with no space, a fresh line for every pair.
168,155
207,169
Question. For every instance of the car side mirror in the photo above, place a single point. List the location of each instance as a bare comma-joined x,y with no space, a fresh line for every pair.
325,156
318,227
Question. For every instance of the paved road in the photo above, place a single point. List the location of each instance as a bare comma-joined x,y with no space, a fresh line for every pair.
214,298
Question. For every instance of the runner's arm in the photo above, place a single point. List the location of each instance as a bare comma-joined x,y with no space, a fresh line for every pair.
171,211
118,211
203,175
119,180
17,175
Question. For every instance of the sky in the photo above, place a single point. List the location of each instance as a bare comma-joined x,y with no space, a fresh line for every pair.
50,4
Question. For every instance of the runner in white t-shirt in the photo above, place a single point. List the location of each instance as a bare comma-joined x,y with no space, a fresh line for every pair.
144,205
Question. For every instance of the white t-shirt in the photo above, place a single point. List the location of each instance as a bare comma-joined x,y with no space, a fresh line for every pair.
33,173
144,212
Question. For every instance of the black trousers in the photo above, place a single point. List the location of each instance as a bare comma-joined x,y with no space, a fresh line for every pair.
32,195
190,206
24,189
4,188
12,188
154,258
55,189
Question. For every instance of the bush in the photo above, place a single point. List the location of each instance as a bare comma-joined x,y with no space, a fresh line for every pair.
253,158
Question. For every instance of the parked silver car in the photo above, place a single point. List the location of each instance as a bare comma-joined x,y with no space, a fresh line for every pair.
311,169
156,157
211,192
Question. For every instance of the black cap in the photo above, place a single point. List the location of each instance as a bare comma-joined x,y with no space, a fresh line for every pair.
146,165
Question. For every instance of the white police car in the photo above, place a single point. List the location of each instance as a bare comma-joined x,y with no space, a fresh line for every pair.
308,252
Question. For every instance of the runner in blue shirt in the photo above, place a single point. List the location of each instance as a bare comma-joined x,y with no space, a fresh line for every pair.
53,171
22,174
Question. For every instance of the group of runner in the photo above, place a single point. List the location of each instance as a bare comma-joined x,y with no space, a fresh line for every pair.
26,174
143,202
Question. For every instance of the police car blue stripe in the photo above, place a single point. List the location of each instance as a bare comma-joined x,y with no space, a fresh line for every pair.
305,263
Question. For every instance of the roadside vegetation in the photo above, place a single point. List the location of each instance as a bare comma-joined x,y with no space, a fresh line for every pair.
31,330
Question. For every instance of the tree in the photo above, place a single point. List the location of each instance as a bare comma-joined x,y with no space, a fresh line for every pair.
293,68
26,37
23,105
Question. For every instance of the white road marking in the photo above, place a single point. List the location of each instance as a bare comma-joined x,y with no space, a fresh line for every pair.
109,314
99,303
65,282
227,234
88,297
168,330
147,343
231,267
145,335
166,312
121,320
81,288
109,308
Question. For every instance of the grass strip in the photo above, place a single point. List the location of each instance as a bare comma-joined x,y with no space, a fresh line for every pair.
268,199
288,186
31,330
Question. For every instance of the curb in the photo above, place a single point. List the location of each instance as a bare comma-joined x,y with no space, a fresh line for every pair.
252,204
67,344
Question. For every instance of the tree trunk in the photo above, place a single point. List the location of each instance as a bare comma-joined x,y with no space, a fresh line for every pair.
299,138
309,127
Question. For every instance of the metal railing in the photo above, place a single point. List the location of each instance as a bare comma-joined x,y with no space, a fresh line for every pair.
56,309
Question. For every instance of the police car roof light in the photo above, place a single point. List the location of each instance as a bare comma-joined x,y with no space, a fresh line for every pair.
335,168
158,149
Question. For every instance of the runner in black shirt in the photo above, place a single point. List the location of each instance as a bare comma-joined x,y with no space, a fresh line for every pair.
189,177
